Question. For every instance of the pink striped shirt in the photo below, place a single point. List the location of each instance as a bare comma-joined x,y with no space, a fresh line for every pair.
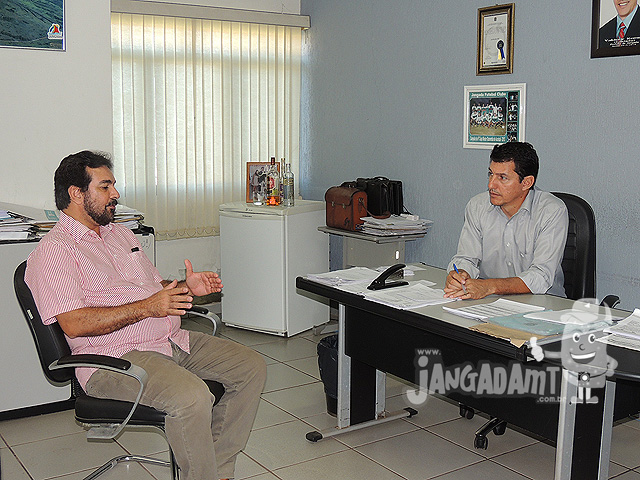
73,267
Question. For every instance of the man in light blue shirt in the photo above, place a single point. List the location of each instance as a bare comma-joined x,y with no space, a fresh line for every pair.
621,30
513,236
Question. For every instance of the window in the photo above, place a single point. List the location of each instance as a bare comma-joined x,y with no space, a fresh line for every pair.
193,101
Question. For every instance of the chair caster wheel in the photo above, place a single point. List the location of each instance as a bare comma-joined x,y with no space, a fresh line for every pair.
466,412
313,436
500,428
481,442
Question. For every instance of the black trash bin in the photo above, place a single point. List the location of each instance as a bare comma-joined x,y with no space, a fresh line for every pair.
328,365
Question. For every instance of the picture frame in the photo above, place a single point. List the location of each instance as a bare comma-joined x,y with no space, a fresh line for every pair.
494,114
34,25
495,40
604,30
257,179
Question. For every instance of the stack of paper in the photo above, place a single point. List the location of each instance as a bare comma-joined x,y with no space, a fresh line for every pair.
395,225
626,333
13,227
128,217
354,275
500,308
418,294
20,222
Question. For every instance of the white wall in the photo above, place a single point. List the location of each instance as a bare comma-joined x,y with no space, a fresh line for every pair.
57,103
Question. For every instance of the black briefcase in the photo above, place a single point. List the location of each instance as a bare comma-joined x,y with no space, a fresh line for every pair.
384,196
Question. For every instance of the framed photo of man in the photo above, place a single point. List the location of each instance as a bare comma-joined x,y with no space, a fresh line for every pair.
615,28
495,40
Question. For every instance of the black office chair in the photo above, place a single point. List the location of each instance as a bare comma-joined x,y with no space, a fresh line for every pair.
104,418
579,260
579,268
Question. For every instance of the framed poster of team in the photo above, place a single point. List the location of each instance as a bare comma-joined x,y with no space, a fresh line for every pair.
493,114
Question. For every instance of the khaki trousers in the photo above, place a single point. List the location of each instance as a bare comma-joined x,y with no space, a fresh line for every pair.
205,439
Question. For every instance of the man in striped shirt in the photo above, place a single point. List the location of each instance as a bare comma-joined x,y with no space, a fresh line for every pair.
92,277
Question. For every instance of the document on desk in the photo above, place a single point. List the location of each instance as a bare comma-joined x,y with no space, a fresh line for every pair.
537,324
570,315
416,295
346,276
499,308
620,341
625,334
407,271
629,327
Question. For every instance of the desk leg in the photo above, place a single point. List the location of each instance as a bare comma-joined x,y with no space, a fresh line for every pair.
345,382
344,374
584,433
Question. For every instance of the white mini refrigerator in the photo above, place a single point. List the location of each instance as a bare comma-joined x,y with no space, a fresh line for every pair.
262,251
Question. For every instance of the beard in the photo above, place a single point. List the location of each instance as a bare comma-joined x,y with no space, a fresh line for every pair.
101,216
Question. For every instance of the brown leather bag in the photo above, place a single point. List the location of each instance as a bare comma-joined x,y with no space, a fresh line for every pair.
345,206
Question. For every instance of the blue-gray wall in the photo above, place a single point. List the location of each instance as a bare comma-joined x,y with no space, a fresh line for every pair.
383,88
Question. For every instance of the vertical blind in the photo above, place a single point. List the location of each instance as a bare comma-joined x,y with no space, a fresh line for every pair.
194,101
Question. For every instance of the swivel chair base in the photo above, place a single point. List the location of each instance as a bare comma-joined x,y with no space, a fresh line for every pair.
495,424
128,458
498,426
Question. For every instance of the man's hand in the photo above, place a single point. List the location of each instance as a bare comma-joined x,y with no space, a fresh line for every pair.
455,285
201,283
479,288
171,300
474,288
91,321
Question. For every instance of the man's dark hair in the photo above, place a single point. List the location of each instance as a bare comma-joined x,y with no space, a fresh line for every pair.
522,154
73,171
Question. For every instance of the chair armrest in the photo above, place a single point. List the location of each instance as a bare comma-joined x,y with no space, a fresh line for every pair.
115,365
94,360
205,313
610,301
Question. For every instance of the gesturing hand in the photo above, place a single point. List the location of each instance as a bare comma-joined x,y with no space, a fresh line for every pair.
201,283
169,301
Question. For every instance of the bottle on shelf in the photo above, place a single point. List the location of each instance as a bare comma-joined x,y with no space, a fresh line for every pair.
282,179
287,187
273,184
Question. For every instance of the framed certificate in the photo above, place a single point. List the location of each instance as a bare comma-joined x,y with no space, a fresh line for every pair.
495,40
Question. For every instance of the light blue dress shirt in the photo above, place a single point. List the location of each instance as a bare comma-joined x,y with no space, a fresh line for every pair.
627,21
529,245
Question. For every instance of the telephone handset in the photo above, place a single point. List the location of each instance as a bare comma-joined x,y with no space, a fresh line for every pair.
381,282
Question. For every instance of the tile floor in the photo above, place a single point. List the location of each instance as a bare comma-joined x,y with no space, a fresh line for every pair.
437,443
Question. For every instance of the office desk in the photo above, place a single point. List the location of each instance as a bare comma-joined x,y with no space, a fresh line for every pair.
375,339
